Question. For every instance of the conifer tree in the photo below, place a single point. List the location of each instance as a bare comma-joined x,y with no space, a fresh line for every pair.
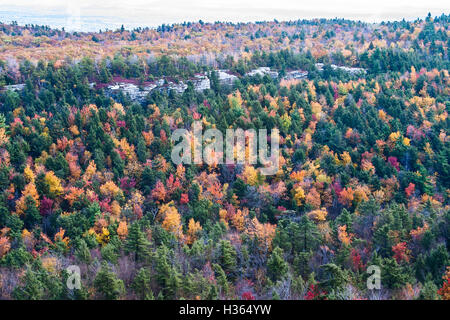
227,256
141,285
277,267
82,252
108,284
137,244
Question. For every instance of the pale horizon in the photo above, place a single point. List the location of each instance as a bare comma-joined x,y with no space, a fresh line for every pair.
88,16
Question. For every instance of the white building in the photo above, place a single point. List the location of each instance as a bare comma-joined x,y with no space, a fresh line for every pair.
15,87
226,78
262,71
296,74
351,70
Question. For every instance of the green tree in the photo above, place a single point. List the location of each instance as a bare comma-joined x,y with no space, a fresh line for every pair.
141,285
141,150
32,288
82,252
137,243
297,237
221,278
392,274
333,277
429,291
107,283
277,267
167,275
109,253
31,213
227,256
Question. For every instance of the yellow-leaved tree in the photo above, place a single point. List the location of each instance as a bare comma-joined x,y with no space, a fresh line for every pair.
28,173
54,184
110,190
171,219
251,176
194,229
29,190
343,235
299,195
122,230
90,171
318,215
262,232
5,245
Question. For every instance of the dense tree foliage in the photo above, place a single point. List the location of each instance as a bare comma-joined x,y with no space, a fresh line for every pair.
363,179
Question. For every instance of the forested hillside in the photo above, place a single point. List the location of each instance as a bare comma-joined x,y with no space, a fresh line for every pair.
87,180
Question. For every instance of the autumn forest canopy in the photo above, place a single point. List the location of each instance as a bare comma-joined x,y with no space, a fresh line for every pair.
87,180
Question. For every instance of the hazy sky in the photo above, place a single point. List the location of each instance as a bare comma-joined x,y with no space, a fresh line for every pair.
88,14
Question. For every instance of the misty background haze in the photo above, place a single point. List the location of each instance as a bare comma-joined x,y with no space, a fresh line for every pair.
88,15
